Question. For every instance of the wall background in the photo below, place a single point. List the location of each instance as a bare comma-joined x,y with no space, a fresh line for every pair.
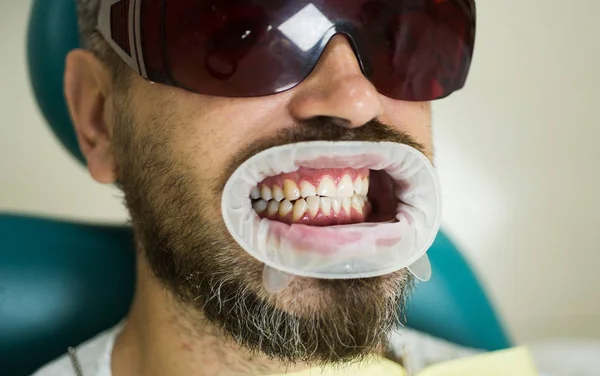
517,154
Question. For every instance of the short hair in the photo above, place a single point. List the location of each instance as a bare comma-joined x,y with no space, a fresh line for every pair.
93,41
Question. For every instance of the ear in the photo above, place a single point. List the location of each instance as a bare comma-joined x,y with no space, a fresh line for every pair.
88,86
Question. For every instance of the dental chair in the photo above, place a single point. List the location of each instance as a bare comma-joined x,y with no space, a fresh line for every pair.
63,282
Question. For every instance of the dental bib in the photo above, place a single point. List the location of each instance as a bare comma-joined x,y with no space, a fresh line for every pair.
358,250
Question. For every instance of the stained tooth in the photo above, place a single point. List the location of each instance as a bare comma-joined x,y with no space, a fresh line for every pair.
365,185
265,193
278,193
259,206
273,208
254,193
290,190
325,205
358,186
357,203
299,209
313,205
327,187
285,208
307,189
346,202
345,187
336,204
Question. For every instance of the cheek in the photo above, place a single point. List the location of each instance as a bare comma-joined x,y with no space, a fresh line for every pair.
215,133
411,117
208,141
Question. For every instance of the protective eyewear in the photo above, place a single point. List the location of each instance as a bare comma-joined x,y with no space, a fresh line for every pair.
412,50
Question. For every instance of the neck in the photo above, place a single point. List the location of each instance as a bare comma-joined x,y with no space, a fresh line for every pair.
159,339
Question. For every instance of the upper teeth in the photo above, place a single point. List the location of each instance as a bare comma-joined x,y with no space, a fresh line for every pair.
345,188
266,193
307,189
290,190
327,188
277,193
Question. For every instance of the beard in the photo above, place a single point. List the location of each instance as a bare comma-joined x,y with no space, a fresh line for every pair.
190,252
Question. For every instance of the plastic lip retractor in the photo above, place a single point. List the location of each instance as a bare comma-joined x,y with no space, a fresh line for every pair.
359,250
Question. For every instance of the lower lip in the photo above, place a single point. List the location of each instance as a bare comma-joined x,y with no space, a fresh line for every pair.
323,240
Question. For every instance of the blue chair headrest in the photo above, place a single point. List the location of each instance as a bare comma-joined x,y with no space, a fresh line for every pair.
52,33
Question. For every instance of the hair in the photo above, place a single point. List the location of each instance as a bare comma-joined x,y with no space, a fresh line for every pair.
93,41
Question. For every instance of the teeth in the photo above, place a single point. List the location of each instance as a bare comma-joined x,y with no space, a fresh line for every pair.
265,193
346,195
307,189
313,205
299,209
357,203
278,193
336,204
345,187
259,206
285,208
325,204
346,203
327,187
363,200
290,190
272,208
358,186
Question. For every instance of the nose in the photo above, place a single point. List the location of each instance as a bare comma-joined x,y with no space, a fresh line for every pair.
337,88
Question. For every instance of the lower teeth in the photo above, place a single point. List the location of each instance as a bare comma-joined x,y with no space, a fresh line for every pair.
311,207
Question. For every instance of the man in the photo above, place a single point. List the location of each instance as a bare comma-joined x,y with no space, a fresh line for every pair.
170,99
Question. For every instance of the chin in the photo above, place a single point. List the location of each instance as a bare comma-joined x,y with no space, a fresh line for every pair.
310,297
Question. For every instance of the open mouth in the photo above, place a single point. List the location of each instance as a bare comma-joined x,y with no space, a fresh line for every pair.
326,197
334,209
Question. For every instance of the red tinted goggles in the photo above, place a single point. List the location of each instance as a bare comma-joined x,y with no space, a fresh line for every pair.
412,50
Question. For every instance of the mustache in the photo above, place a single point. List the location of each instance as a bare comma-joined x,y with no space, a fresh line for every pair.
322,129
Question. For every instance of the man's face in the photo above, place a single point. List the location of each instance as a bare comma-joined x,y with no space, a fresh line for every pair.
175,150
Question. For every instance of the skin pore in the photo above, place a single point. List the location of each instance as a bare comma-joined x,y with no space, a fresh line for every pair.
200,307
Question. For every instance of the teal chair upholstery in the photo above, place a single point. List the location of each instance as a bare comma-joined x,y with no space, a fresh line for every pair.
63,282
60,283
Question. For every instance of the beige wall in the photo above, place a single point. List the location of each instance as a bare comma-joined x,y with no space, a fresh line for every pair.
517,152
36,174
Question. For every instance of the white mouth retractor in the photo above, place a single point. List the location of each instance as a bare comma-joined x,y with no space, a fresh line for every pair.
359,250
